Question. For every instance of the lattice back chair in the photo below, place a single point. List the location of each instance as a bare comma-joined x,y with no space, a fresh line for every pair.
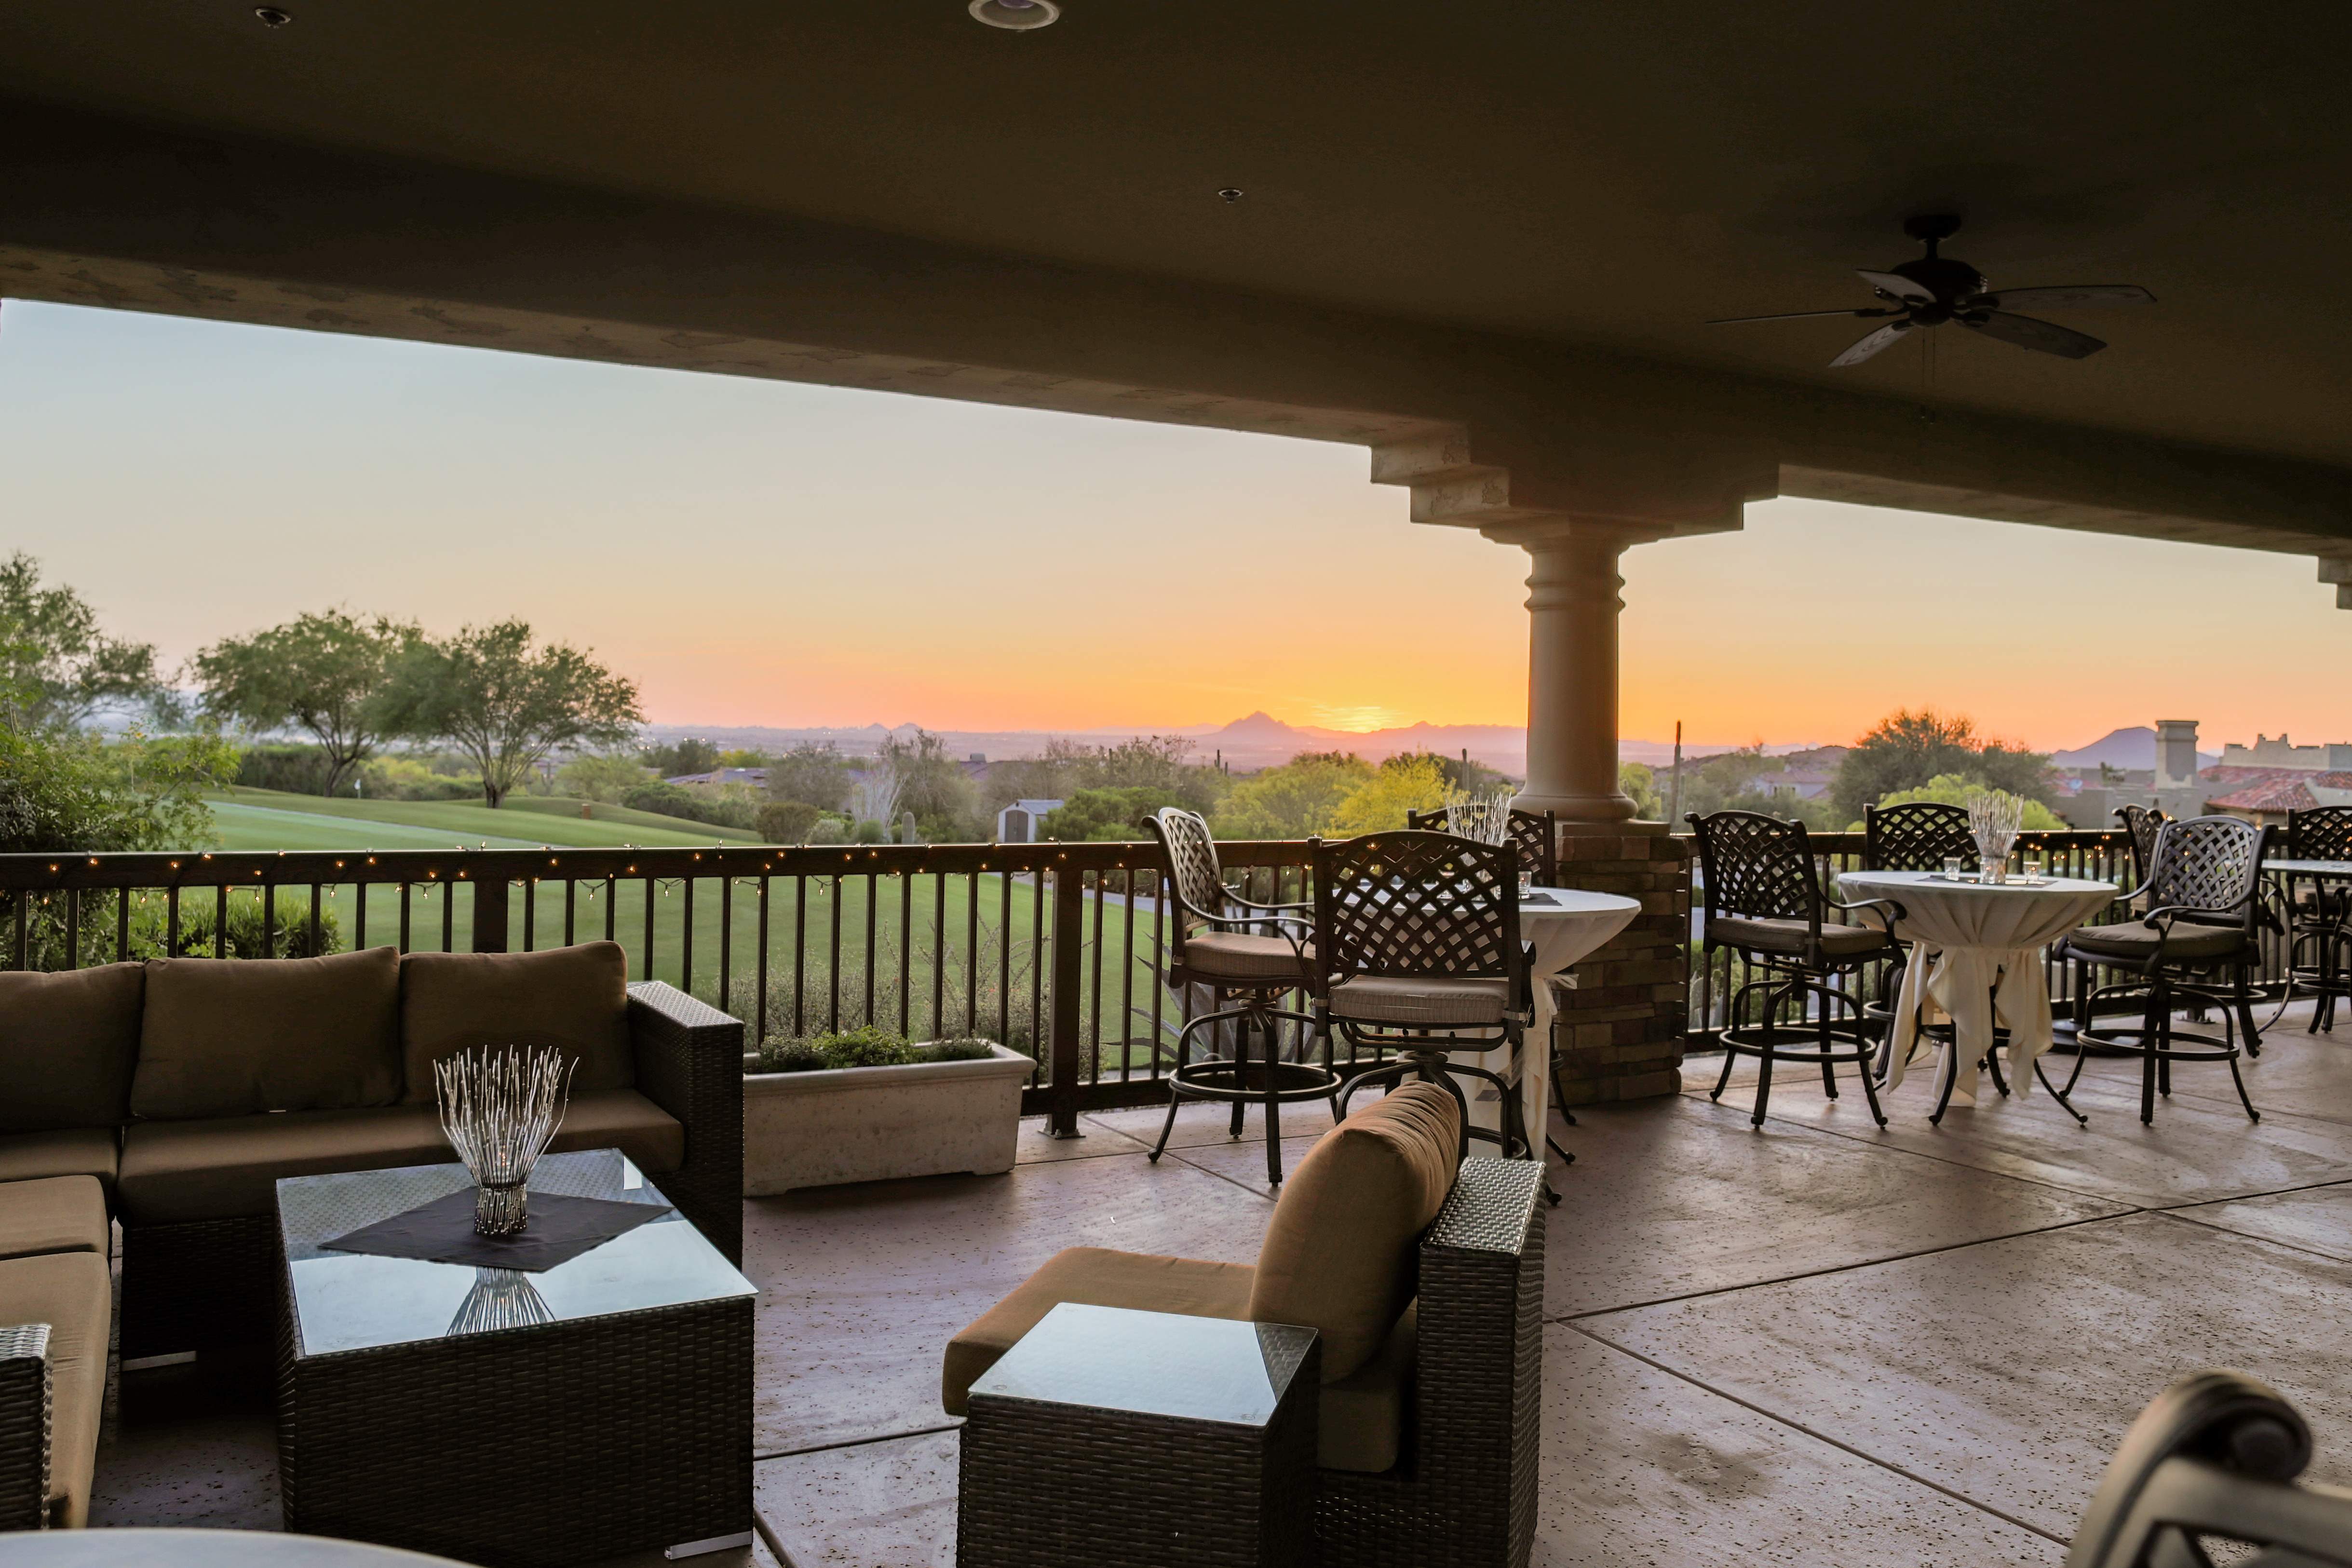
1537,834
1916,835
1238,947
2194,947
1417,939
2212,1461
2319,914
1765,902
2143,822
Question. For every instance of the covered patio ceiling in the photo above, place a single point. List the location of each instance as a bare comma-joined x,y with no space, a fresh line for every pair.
1483,238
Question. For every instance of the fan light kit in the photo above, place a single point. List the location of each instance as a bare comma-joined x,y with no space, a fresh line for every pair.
271,17
1018,15
1935,288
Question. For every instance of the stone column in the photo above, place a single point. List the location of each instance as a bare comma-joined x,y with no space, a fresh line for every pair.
1573,607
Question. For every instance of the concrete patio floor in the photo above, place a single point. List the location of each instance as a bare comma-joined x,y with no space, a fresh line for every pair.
1813,1342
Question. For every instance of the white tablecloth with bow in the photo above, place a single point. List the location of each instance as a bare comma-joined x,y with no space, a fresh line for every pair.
1565,926
1976,954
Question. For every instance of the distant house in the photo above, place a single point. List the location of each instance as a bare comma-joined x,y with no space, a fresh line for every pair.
1017,823
2264,801
755,777
2268,751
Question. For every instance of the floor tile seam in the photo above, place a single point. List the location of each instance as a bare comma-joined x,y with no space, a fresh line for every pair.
2128,1213
773,1542
759,1459
1822,1437
1178,1155
1865,1140
2255,1235
2343,1181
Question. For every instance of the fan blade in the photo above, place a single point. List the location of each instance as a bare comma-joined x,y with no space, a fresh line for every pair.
2065,297
1895,283
1885,337
2044,337
1790,315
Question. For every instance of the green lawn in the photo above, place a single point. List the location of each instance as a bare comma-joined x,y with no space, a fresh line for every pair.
921,981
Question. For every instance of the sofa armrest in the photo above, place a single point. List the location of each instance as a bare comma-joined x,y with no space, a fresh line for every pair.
689,1061
25,1417
1478,1370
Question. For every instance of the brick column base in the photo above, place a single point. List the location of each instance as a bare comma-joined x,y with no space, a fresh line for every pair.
1618,1033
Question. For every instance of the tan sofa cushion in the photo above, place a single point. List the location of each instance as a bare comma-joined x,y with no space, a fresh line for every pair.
73,1293
175,1171
576,998
1093,1277
68,1043
56,1214
227,1037
1362,1422
1338,1255
80,1152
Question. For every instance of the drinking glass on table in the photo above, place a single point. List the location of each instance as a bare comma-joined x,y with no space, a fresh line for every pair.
1951,866
1527,883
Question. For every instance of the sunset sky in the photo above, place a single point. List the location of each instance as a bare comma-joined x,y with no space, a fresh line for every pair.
757,553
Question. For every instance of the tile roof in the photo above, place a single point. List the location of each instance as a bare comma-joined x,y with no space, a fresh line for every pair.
2269,795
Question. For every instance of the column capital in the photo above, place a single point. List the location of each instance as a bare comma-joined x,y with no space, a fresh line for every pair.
1561,530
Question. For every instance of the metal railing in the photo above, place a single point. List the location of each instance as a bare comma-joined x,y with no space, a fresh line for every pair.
1059,950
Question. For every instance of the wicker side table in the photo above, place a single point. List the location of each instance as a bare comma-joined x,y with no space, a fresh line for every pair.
1121,1439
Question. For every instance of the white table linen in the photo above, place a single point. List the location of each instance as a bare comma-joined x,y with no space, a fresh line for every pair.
1565,926
1976,954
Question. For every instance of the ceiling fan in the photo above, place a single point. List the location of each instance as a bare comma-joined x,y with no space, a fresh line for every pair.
1938,289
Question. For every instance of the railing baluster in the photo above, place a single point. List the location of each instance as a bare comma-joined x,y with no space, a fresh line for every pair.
612,908
1160,899
571,909
873,896
359,915
1004,960
939,953
403,917
269,919
318,894
905,884
833,963
530,914
1126,974
171,920
1094,990
726,934
971,954
760,1024
220,920
649,926
800,955
73,928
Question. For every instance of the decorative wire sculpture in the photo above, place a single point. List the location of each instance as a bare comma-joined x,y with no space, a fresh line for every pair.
1993,821
1484,818
501,1105
500,1298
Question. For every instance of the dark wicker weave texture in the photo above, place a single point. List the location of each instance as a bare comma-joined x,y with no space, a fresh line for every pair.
199,1286
689,1061
24,1412
547,1446
1464,1494
1160,1493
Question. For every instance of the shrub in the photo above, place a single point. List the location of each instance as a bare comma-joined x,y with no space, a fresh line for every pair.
691,805
787,821
869,1046
954,1051
297,770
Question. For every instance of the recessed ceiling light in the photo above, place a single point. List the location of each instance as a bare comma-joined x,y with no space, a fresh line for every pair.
1018,15
1231,192
271,17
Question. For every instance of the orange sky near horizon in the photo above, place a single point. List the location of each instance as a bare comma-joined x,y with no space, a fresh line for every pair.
757,553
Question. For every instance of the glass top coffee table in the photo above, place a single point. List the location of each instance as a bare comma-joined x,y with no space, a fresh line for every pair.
594,1408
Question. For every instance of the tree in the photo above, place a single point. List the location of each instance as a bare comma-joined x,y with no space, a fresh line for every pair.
813,775
56,667
505,700
1067,767
1293,801
64,790
1639,782
678,758
1106,816
1953,789
605,778
933,786
1402,784
787,821
1906,749
323,674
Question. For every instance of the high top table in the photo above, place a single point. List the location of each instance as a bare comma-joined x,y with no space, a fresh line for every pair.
1976,953
2326,979
1565,926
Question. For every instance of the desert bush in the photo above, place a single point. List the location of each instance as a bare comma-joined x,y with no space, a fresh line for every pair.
295,769
787,821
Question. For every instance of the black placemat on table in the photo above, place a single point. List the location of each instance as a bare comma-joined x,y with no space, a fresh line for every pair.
559,1229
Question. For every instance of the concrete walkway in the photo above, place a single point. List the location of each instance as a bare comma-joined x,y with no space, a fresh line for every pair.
1815,1341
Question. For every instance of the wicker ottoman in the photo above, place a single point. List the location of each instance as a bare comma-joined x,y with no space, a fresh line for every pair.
532,1419
1122,1439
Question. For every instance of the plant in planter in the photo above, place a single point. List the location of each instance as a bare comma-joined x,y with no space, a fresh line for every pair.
868,1105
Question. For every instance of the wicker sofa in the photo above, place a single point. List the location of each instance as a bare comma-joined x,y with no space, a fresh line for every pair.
167,1097
1425,1281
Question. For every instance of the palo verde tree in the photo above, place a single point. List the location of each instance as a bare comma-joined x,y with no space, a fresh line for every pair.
327,675
1906,749
57,668
505,700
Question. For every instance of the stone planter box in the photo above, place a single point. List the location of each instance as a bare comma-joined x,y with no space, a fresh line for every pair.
872,1125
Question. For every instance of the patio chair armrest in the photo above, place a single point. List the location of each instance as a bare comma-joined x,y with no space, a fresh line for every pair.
1255,904
689,1061
1479,1382
25,1426
1887,909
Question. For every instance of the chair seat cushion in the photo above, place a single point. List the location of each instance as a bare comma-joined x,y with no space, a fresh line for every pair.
56,1214
73,1293
230,1036
1093,1277
177,1171
1789,937
2134,940
1339,1253
67,1045
573,998
1424,1000
75,1151
1240,955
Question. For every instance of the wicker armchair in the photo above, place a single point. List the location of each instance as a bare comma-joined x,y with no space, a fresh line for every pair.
1417,946
1537,834
1233,946
2213,1456
2203,889
2319,917
1765,902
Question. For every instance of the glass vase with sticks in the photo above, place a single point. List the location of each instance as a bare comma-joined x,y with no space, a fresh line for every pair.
501,1106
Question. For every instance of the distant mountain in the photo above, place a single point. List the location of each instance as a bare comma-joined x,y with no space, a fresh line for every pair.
2131,748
